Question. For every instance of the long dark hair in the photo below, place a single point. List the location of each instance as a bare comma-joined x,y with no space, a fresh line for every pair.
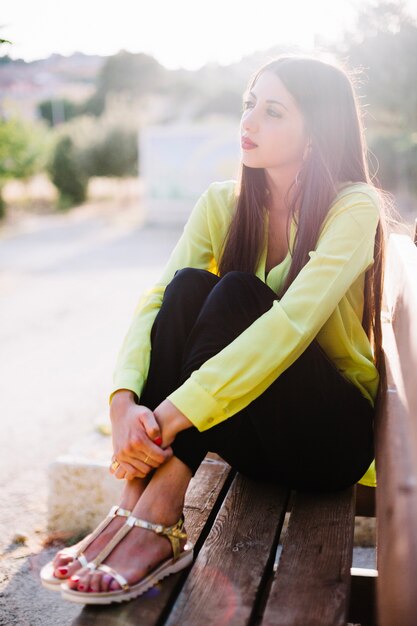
326,97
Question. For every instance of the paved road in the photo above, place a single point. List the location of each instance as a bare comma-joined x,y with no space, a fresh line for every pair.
68,287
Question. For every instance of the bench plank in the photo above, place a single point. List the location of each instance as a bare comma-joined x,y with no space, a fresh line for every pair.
397,502
312,583
227,579
396,442
202,501
401,298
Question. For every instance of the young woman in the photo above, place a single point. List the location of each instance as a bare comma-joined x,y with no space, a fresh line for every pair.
262,339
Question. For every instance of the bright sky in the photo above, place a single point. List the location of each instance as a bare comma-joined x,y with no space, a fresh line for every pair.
177,33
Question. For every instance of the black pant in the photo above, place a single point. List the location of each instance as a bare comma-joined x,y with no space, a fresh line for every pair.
311,429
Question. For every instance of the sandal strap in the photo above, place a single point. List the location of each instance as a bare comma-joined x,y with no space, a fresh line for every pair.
82,559
114,511
110,545
174,532
120,579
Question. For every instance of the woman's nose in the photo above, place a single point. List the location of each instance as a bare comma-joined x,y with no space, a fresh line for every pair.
249,121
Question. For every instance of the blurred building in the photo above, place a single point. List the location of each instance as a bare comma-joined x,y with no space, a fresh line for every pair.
179,161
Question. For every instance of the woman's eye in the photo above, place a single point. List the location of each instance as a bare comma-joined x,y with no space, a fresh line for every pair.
270,111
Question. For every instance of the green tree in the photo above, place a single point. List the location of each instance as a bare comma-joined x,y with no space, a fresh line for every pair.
114,152
382,47
58,111
23,151
385,46
125,72
67,173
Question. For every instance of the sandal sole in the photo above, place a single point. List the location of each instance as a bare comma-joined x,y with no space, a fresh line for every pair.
106,597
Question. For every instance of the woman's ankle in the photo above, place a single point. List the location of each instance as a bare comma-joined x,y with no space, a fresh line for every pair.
132,491
165,493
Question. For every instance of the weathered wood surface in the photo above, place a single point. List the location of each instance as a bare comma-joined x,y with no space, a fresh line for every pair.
396,503
230,570
312,583
401,297
396,444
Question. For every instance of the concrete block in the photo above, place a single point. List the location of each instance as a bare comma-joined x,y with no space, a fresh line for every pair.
81,489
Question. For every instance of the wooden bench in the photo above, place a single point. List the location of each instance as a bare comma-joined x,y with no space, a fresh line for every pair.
396,444
241,576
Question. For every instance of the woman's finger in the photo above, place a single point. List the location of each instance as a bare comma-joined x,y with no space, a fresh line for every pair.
150,424
142,447
136,467
122,469
120,472
140,470
141,462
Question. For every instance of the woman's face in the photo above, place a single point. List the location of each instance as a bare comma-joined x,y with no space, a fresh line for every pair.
277,129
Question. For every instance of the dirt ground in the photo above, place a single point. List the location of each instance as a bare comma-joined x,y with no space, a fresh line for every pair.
68,287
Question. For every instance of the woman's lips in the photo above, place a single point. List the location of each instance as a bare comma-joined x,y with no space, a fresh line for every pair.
247,144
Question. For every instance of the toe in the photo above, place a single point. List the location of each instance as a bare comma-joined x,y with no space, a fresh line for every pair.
61,572
62,561
84,580
105,582
95,582
67,569
114,585
73,581
74,568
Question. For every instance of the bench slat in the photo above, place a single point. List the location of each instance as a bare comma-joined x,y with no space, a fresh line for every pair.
401,297
205,492
396,464
396,442
228,575
312,583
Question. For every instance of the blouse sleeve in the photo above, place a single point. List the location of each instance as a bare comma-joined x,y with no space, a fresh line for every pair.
231,379
193,249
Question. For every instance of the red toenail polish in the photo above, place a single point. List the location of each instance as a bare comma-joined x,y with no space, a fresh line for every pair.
75,579
80,587
62,570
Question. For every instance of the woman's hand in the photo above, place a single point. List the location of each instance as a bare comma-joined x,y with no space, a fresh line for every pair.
134,427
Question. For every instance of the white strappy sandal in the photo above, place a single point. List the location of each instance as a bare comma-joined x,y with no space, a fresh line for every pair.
47,572
180,560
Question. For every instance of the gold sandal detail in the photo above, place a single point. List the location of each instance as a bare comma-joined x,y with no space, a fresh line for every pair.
47,572
179,560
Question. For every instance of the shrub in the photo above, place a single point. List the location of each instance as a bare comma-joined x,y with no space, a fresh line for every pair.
67,174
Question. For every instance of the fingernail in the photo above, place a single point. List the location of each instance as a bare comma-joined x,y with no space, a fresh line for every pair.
62,570
158,441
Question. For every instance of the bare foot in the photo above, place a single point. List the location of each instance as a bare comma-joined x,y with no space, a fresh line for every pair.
64,563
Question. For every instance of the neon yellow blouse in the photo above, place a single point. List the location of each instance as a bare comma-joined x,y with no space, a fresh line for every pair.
324,301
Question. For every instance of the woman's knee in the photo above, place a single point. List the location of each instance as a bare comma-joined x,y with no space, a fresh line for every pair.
239,277
189,276
241,291
187,279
